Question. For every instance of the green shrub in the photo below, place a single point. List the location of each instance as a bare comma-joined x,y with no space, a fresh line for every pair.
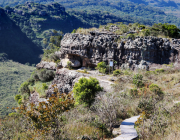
45,75
102,67
13,114
148,73
116,72
74,31
45,87
57,61
24,88
159,70
31,81
156,89
134,92
18,97
85,90
132,36
137,80
20,101
69,65
146,105
40,88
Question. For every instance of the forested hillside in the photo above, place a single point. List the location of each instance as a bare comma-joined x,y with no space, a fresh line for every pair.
151,11
38,21
15,43
168,6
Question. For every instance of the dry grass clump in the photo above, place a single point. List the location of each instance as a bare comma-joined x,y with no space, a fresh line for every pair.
85,31
78,130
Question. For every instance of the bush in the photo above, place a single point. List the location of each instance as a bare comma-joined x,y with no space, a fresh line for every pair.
85,90
24,88
69,65
74,31
133,92
18,97
20,101
102,67
116,72
31,81
137,80
156,89
45,75
159,70
147,106
44,86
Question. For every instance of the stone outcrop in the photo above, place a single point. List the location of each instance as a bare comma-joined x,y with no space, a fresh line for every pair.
64,80
35,99
146,53
140,53
46,65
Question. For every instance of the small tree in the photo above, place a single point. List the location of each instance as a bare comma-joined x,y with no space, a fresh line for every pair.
46,117
85,90
109,107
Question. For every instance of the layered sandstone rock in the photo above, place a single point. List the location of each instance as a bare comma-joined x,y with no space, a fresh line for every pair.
140,53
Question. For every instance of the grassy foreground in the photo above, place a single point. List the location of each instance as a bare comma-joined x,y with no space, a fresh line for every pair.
151,94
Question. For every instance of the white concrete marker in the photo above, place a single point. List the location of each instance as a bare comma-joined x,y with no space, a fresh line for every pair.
128,132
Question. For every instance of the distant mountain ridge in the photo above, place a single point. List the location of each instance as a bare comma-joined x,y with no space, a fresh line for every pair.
150,10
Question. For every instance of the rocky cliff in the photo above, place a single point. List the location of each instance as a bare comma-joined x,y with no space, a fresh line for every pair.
88,50
141,53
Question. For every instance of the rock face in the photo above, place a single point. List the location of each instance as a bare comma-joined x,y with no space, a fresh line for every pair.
46,65
140,53
64,80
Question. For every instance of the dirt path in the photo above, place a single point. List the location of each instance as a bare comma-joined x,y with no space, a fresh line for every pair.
105,81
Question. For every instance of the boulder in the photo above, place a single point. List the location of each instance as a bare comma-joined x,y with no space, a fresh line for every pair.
46,65
64,80
74,63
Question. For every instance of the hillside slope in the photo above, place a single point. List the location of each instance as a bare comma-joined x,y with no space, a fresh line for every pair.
37,21
12,75
15,43
168,6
